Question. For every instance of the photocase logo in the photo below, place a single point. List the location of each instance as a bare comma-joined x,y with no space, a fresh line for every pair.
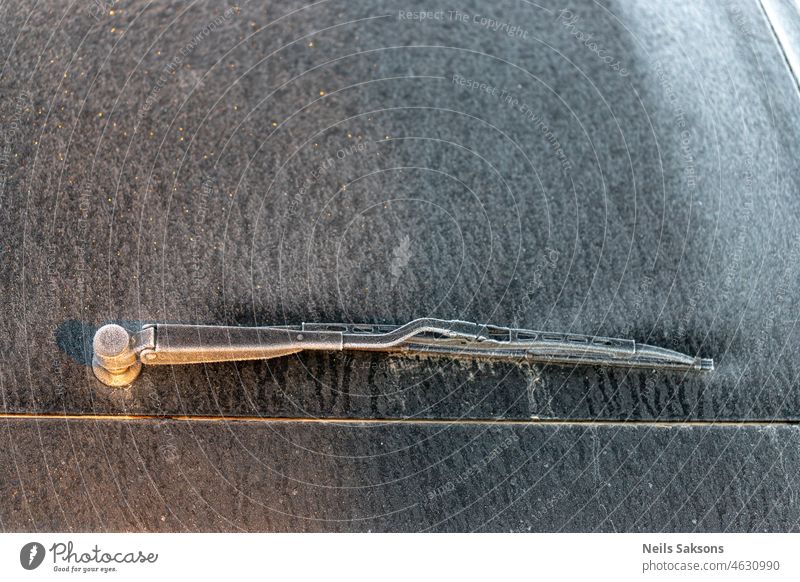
31,555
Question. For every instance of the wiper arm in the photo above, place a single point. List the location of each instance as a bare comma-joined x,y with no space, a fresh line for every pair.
119,354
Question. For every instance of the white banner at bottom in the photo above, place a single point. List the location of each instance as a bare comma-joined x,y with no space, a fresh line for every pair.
354,557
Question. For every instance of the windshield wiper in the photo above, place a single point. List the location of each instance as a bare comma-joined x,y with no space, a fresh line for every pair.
119,353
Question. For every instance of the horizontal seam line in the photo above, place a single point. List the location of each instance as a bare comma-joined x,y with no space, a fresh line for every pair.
408,421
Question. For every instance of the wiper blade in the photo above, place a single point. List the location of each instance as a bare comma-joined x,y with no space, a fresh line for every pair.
119,353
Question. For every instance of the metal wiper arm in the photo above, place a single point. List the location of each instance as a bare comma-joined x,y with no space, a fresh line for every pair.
119,354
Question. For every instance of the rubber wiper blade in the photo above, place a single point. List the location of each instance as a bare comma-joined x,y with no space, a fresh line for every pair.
119,353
